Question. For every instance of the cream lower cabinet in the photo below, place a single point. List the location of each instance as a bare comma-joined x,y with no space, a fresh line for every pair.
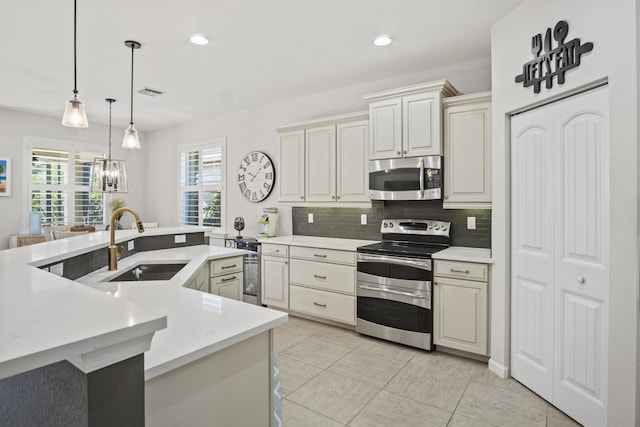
461,306
274,268
201,280
226,277
323,283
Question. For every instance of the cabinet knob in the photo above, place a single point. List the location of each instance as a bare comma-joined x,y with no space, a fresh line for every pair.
398,153
581,280
446,197
333,197
301,197
405,151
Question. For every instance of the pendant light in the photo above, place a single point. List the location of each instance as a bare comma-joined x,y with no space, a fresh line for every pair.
74,114
109,175
131,134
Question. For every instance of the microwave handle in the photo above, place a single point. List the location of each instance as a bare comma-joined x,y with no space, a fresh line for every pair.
421,178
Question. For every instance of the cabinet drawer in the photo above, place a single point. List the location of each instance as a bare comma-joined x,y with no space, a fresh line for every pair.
324,255
225,265
228,286
332,277
462,270
323,304
275,250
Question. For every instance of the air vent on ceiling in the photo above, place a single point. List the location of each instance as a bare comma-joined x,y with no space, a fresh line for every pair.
150,92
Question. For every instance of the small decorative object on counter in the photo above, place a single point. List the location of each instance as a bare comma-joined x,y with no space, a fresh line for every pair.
238,225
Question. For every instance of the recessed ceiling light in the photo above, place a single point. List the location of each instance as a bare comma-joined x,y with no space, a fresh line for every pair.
382,40
199,39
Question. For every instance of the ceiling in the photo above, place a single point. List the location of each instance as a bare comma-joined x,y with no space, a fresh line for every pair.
260,51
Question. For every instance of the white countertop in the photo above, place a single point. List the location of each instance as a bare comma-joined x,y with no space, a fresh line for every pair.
318,242
45,318
461,253
198,323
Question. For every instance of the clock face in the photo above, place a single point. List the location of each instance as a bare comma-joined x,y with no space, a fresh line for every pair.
256,176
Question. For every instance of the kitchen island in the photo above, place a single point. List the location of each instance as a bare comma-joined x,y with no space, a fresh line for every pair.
211,348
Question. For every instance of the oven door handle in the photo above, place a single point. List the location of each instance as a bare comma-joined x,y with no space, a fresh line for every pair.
391,291
421,178
424,264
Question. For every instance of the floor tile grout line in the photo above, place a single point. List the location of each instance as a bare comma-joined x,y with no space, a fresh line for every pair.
314,411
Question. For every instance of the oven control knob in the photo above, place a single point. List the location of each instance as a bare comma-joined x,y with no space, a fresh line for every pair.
444,228
385,225
437,227
390,225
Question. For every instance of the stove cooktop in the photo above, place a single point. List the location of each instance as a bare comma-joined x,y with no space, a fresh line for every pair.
401,249
416,238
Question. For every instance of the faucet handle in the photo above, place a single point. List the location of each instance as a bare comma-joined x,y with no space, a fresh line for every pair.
140,226
120,250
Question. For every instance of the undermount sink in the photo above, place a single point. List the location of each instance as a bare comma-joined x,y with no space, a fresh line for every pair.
146,272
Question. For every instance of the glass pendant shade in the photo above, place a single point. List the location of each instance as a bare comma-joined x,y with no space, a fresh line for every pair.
131,138
109,176
74,114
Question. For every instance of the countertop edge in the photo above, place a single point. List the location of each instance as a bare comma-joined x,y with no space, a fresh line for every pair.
464,254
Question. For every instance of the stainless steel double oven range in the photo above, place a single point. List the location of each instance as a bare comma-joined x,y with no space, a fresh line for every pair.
395,281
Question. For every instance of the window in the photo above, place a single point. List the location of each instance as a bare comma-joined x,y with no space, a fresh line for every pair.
59,184
202,184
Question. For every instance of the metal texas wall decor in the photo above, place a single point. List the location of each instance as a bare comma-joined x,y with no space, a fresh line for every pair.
553,61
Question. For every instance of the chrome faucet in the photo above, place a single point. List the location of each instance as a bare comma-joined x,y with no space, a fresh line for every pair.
116,251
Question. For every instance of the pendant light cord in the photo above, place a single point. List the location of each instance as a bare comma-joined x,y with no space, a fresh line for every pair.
132,48
110,103
75,64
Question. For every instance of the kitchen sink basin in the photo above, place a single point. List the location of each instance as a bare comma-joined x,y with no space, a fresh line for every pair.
146,272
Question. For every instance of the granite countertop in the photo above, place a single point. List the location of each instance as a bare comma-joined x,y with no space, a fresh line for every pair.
318,242
45,318
461,253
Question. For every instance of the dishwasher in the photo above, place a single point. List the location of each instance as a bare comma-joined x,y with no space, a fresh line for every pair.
251,285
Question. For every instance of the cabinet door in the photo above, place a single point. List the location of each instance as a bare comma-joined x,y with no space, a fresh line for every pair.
229,286
460,315
320,177
385,129
352,144
421,130
467,156
290,177
275,281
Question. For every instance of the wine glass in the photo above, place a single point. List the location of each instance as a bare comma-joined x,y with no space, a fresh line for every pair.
238,224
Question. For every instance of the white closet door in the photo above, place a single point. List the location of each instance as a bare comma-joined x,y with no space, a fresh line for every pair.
533,247
560,253
582,251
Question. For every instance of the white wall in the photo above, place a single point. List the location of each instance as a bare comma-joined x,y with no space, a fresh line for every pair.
16,125
254,129
611,26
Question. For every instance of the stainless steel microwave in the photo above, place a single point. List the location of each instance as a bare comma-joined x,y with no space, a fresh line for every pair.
413,178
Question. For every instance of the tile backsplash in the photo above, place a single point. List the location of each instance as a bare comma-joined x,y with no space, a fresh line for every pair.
345,222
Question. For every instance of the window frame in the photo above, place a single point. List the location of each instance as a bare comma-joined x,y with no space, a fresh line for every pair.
72,147
221,143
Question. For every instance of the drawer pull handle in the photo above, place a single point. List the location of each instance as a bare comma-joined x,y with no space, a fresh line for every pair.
453,270
319,305
320,255
224,267
228,279
319,277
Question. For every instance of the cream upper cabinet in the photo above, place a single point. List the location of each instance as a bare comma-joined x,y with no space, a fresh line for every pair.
325,160
352,154
291,166
467,151
406,122
385,126
320,164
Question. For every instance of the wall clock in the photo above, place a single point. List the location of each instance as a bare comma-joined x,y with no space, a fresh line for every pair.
256,176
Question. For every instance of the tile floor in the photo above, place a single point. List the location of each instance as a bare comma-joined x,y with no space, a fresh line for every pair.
332,377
